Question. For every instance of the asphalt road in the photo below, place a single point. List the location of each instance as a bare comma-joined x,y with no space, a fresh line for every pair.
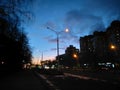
22,80
29,80
73,83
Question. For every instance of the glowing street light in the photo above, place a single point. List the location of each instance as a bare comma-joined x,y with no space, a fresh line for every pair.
2,62
57,34
75,56
66,30
113,47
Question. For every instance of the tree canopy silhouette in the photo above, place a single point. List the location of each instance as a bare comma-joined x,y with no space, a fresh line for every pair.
14,45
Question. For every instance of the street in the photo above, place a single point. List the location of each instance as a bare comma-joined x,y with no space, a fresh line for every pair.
22,80
83,81
34,80
72,83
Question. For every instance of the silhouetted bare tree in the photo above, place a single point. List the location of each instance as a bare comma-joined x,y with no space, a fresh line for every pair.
14,45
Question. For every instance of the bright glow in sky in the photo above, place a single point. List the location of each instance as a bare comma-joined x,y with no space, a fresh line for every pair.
81,17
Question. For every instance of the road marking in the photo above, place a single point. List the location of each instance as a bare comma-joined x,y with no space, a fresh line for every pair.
84,77
47,81
88,78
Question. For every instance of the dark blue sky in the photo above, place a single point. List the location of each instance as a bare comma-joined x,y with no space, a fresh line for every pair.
81,17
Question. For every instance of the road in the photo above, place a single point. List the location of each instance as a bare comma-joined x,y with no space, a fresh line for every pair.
30,80
22,80
73,83
91,81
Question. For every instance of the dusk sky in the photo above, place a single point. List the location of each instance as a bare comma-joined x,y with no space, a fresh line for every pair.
81,17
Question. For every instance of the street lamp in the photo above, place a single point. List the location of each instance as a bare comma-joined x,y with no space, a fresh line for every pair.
113,47
75,56
57,34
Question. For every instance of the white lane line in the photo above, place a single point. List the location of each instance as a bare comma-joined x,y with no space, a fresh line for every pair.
84,77
47,81
78,76
50,83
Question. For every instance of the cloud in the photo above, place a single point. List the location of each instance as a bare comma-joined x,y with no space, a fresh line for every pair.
50,24
60,48
51,39
96,17
79,23
93,16
53,49
109,10
83,22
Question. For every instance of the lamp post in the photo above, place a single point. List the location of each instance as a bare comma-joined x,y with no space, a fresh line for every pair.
57,34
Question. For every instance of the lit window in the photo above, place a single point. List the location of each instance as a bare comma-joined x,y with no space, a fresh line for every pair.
117,34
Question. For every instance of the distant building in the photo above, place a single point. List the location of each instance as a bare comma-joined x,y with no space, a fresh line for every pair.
113,32
86,44
70,58
101,46
71,50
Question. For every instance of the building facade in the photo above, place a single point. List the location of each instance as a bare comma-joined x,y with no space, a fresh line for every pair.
70,58
101,46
